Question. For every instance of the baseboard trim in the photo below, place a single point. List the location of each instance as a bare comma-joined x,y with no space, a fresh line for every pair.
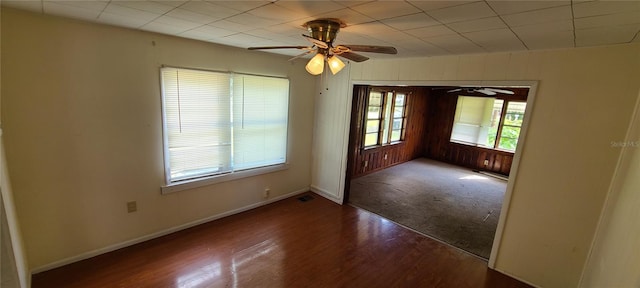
138,240
325,194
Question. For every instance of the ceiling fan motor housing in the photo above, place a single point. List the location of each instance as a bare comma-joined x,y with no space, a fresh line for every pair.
324,29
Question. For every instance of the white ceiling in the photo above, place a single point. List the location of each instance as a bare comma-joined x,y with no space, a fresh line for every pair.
415,28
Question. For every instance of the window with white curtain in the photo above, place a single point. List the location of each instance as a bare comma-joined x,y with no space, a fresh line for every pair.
218,123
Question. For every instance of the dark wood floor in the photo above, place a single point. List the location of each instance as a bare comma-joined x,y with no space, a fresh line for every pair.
289,243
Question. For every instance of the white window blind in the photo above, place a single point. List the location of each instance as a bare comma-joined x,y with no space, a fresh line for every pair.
260,106
217,123
472,120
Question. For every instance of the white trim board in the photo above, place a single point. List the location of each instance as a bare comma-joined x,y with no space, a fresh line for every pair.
531,84
138,240
326,194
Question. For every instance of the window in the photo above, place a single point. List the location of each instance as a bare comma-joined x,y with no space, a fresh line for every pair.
488,122
385,118
219,123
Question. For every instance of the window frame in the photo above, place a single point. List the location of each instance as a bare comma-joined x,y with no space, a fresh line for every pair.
503,113
387,105
204,180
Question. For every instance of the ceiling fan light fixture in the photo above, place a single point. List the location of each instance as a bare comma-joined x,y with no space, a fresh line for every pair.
335,64
315,65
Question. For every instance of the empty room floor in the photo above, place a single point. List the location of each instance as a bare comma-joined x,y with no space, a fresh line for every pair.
447,202
290,243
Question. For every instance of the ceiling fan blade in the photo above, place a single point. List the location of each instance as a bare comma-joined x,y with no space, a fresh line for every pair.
454,90
317,42
372,49
301,55
500,91
353,56
485,91
279,47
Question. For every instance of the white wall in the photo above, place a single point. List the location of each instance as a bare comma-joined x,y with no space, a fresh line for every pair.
615,259
584,101
14,268
82,123
327,177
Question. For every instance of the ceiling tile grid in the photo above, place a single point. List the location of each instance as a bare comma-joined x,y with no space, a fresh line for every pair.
414,27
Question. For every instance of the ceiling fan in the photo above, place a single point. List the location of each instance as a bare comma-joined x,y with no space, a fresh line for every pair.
323,33
485,91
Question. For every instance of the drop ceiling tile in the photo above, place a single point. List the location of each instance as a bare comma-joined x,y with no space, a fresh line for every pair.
347,16
496,40
178,23
173,3
604,8
539,16
253,21
372,29
548,40
455,44
210,9
288,29
276,13
162,28
386,9
135,15
540,30
191,16
434,5
349,3
244,40
33,6
431,31
120,20
464,12
606,35
417,45
207,32
71,11
503,7
478,25
233,26
148,6
241,5
309,8
412,21
266,34
624,18
91,5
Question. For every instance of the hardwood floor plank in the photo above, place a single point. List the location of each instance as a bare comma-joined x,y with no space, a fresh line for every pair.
285,244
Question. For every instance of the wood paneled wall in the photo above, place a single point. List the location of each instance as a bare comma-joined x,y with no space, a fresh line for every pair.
363,161
429,125
442,108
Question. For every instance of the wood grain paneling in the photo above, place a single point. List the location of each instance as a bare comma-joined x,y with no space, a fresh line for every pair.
442,108
429,125
364,161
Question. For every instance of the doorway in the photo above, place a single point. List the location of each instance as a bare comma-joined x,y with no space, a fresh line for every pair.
446,176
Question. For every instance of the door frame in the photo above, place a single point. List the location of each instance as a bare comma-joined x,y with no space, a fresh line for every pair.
532,85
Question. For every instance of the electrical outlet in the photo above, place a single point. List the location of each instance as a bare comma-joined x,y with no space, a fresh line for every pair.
486,162
267,193
132,206
365,163
385,156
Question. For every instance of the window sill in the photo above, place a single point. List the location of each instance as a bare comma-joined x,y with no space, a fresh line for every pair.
205,181
382,146
481,147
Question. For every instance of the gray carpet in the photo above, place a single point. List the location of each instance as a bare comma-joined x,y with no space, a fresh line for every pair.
447,202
